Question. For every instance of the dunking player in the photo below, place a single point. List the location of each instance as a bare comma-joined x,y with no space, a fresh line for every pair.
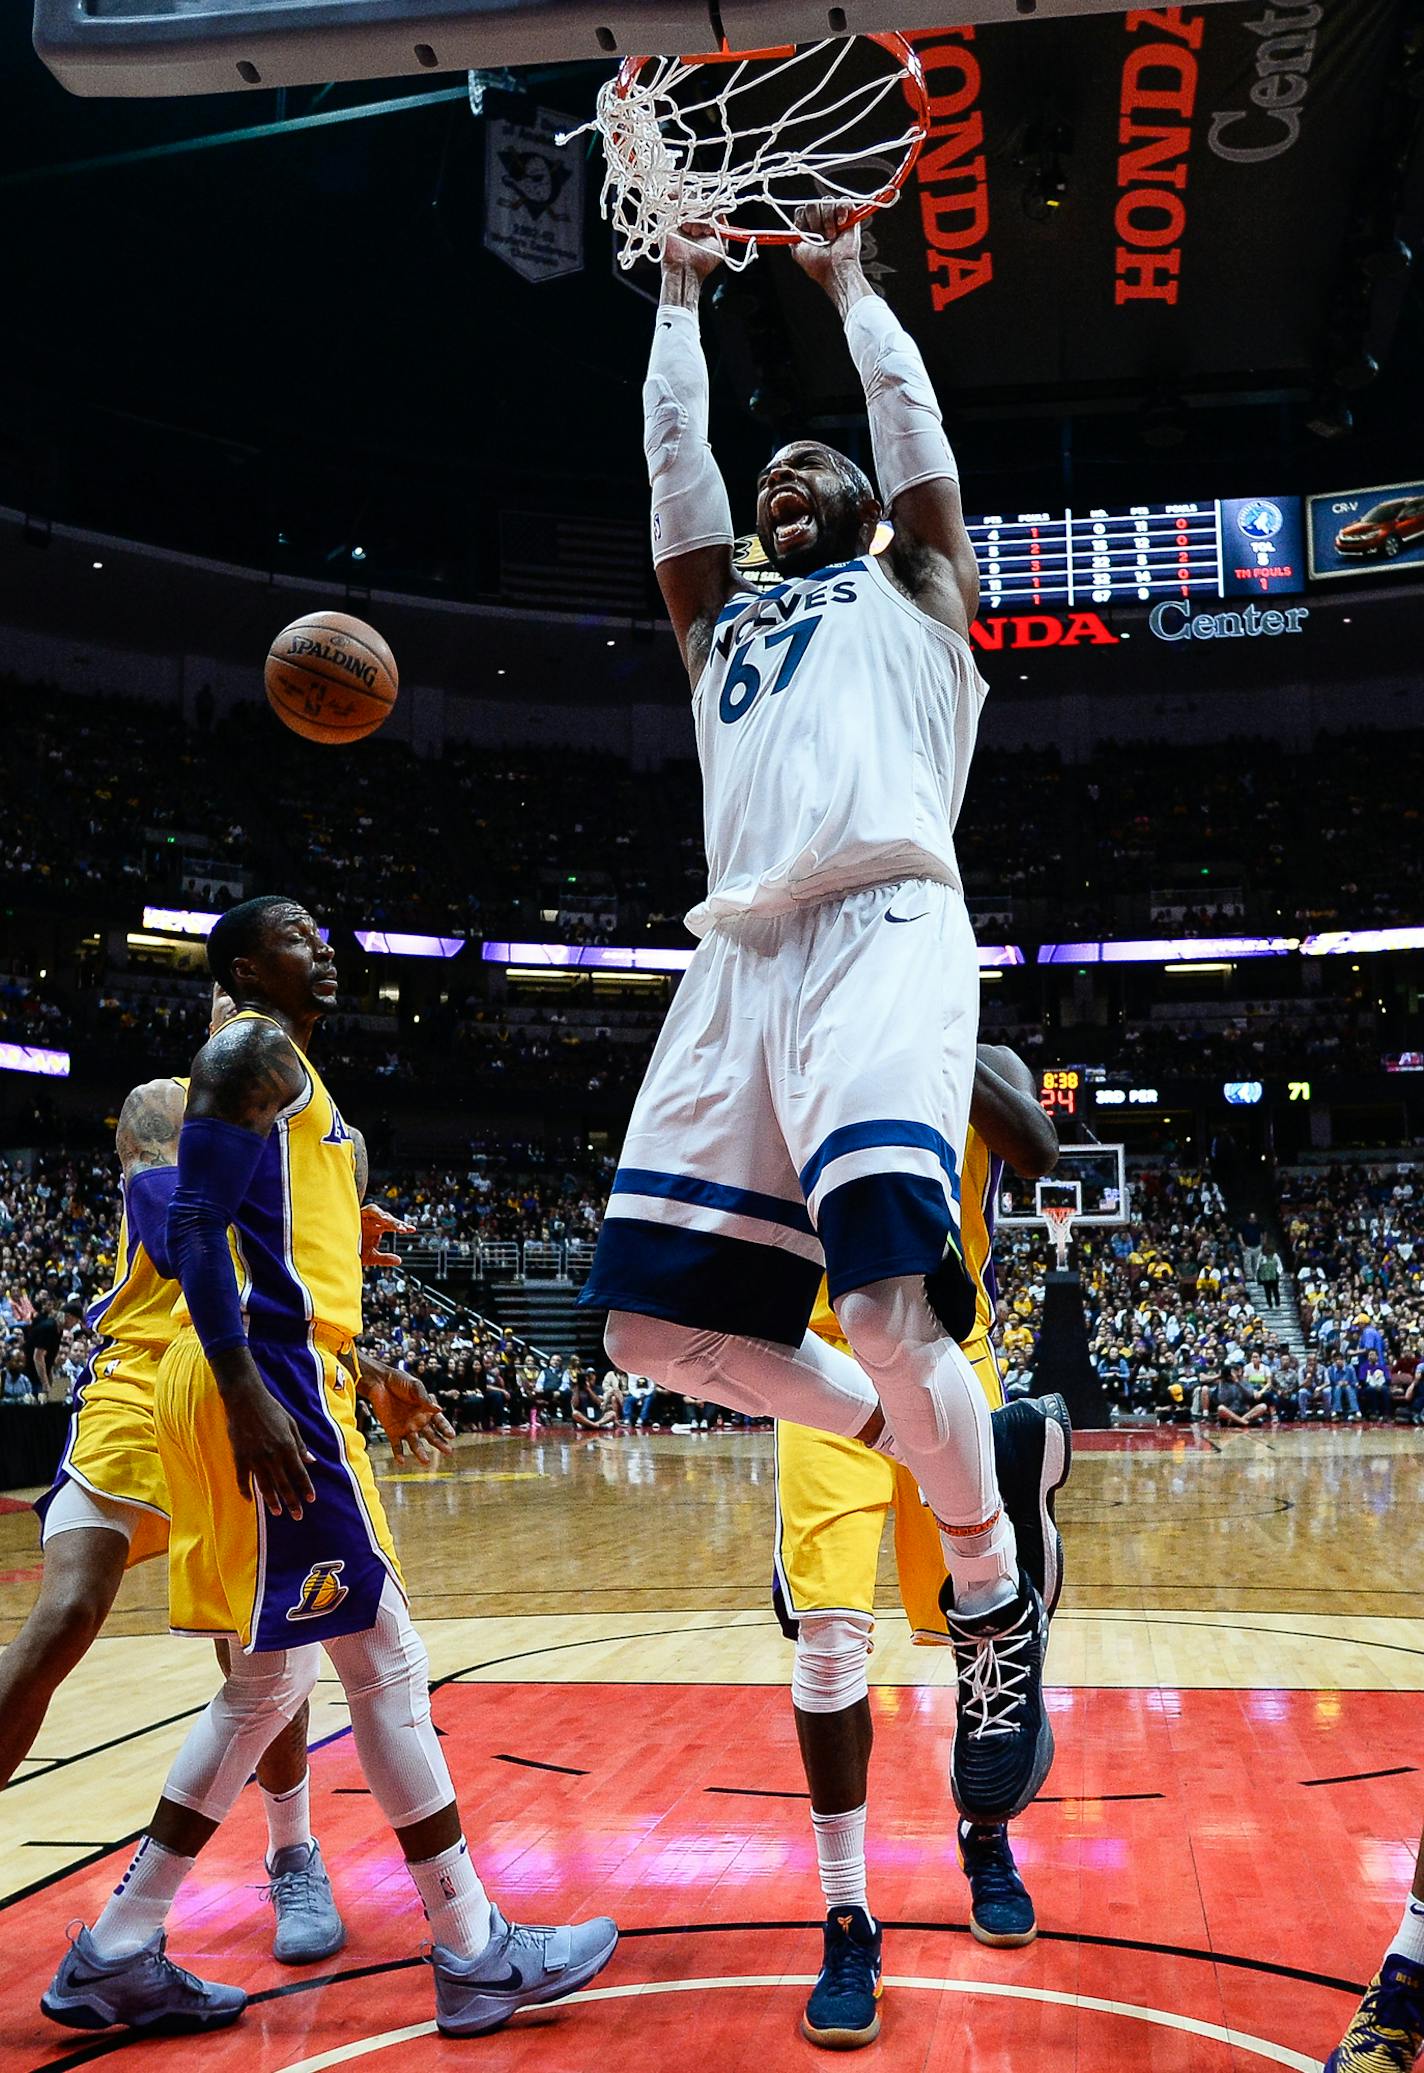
108,1509
808,1099
278,1537
832,1497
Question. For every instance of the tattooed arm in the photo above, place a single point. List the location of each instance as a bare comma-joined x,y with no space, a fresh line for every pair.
149,1122
246,1074
147,1144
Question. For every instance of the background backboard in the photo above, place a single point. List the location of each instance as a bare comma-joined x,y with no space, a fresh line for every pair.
1101,1173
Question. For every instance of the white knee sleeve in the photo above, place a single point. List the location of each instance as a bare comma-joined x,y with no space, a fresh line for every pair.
812,1383
832,1649
932,1397
385,1674
260,1694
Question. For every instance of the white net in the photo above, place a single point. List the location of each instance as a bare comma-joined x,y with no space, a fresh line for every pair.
1060,1218
740,144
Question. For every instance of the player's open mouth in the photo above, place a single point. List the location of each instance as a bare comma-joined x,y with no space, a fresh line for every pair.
793,523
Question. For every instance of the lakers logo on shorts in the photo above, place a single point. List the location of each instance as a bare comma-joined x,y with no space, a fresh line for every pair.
322,1591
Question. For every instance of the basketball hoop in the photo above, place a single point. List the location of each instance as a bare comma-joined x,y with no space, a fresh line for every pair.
1060,1218
739,141
1060,1204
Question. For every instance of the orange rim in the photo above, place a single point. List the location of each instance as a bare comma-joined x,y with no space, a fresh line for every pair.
912,83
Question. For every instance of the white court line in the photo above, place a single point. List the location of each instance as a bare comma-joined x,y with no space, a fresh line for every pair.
1163,2019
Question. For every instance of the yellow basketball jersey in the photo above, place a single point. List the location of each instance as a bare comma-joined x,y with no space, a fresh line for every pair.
136,1316
978,1186
296,1241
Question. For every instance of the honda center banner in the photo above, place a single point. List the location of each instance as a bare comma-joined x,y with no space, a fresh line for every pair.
1125,199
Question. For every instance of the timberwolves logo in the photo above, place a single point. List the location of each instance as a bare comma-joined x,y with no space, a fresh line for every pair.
321,1592
1260,521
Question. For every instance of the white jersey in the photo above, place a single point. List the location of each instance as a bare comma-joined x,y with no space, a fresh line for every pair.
835,725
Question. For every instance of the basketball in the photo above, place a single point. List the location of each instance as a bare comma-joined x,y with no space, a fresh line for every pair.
331,678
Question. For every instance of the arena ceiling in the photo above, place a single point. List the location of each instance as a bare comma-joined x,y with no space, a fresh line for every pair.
1144,254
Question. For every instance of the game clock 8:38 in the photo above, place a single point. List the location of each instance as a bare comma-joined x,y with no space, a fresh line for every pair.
1059,1088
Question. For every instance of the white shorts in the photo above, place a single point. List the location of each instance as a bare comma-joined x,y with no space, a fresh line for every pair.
806,1107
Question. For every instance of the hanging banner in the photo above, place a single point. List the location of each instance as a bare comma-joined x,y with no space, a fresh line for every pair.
1125,201
534,196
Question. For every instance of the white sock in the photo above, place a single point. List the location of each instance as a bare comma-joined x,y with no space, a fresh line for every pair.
984,1566
840,1856
288,1818
1409,1936
140,1902
456,1905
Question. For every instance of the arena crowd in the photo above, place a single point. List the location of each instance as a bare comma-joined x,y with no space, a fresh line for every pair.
1174,1332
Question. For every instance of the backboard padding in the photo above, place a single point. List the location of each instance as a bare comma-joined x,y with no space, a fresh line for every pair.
162,47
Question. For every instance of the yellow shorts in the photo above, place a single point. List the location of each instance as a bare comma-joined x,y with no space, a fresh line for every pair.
232,1567
832,1496
113,1450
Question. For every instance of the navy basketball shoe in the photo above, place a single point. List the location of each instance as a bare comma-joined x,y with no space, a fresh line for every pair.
1003,1737
1000,1911
844,2009
1387,2035
1033,1459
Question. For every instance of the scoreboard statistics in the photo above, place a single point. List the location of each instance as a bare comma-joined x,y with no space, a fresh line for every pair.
1141,553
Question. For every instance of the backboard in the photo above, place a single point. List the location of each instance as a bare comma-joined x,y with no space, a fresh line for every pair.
161,47
1099,1172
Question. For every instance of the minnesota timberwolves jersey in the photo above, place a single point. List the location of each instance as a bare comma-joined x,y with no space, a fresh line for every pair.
835,725
978,1190
296,1241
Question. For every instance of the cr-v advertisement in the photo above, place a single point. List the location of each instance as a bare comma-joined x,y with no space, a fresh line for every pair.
1368,532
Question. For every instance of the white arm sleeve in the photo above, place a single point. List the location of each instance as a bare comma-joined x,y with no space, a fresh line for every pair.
690,506
906,431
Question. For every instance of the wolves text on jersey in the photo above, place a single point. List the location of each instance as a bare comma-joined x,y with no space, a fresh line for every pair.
787,620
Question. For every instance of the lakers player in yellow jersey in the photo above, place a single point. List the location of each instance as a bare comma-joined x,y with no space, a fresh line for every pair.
278,1538
108,1508
833,1497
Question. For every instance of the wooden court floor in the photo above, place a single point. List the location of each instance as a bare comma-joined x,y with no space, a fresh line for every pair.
1217,1860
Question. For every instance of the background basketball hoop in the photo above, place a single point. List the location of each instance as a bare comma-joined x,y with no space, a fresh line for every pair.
739,141
1060,1203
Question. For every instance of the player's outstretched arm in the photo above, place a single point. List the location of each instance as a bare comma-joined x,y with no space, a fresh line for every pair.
243,1078
692,519
146,1141
932,555
1006,1112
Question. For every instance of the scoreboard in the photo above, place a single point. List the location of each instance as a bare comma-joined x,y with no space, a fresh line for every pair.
1140,553
1059,1089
